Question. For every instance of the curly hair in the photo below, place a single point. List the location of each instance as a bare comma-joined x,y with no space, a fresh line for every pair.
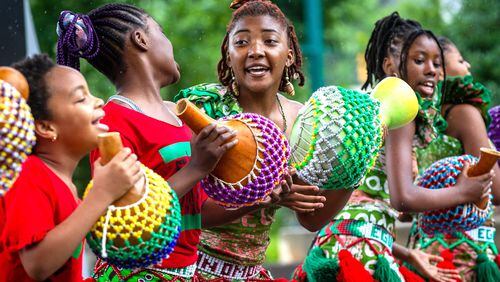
257,8
34,69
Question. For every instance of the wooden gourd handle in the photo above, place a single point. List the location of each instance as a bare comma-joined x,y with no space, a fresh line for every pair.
16,79
109,145
486,162
192,116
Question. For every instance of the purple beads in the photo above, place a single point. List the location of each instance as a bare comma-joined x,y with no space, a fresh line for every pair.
274,149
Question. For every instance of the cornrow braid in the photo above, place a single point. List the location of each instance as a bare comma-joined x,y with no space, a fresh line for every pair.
262,8
111,23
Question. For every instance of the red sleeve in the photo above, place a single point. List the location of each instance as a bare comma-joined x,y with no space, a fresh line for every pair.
203,195
29,212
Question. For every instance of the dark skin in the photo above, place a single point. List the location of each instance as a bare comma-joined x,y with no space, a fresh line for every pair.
62,141
149,58
258,52
472,133
148,54
423,67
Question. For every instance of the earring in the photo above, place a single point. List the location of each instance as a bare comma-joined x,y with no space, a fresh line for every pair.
395,74
289,89
234,85
53,139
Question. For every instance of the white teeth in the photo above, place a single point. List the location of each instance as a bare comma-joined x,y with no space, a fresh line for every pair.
429,84
103,127
257,69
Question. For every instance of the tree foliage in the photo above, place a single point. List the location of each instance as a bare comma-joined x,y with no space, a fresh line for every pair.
196,29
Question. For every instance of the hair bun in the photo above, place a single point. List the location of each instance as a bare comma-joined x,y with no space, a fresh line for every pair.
238,3
67,18
77,38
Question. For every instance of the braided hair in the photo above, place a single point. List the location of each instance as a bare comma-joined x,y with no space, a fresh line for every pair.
262,8
34,69
99,36
394,36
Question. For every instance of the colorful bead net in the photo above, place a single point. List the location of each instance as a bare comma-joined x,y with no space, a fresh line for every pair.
17,135
444,174
336,138
270,164
142,233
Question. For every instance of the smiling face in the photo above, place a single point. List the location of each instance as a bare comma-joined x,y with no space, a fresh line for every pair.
423,65
162,52
74,112
258,52
455,64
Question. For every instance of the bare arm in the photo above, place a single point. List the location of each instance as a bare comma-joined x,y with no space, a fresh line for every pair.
44,258
335,202
295,197
215,215
207,147
407,197
466,124
425,264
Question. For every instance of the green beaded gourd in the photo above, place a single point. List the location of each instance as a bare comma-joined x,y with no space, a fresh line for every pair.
338,133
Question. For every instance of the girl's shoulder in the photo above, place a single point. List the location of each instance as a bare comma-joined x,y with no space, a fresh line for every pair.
459,90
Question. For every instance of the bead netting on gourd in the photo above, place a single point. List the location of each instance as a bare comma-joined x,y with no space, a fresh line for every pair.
444,174
336,138
142,233
17,136
270,164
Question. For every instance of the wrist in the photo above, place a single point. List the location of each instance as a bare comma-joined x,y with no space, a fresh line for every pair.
98,197
195,171
409,257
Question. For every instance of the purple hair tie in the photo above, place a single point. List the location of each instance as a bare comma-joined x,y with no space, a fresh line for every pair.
77,38
494,130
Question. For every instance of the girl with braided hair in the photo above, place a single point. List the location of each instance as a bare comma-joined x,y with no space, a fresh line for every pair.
465,105
43,221
358,243
260,58
128,46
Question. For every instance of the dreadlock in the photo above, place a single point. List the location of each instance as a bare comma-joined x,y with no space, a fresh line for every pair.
103,31
262,8
394,36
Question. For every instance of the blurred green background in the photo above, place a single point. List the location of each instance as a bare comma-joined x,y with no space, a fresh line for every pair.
196,29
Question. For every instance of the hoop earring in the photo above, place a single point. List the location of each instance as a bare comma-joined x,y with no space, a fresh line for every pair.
289,89
234,85
395,74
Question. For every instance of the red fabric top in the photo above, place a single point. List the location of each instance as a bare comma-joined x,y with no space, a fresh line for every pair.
165,149
38,201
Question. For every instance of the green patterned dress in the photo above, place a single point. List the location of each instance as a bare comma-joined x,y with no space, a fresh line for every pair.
234,251
365,226
464,248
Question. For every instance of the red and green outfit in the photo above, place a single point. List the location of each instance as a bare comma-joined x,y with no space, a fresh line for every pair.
473,252
234,251
164,148
357,243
